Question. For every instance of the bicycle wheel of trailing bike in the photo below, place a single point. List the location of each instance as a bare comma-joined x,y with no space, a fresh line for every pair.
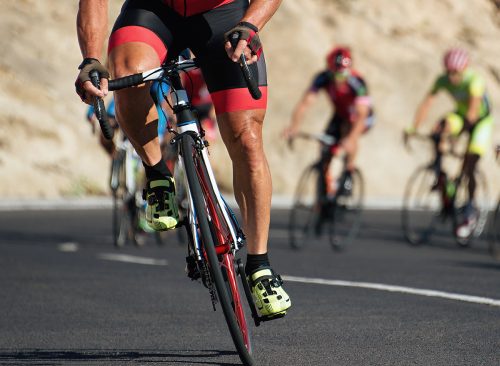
121,215
347,210
494,244
215,236
481,206
309,214
422,206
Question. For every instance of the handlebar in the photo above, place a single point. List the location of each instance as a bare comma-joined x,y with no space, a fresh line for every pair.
183,65
430,138
100,109
324,139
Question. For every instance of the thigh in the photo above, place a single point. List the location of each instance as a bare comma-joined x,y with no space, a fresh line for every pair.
139,41
148,22
223,77
481,134
454,124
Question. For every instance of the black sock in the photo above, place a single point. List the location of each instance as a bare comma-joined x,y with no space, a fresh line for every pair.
157,171
255,261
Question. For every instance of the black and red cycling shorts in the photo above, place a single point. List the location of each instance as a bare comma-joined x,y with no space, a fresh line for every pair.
167,32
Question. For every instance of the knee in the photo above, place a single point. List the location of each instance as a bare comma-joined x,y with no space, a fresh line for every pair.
246,142
124,62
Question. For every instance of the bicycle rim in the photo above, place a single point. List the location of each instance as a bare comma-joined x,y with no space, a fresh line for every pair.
347,209
421,206
221,266
305,222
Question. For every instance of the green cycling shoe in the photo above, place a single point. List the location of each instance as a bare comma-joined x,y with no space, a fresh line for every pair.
270,298
161,211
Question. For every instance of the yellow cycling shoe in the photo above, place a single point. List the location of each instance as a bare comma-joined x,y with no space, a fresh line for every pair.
161,210
270,299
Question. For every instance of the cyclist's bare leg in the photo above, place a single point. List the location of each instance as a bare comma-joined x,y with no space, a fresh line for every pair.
134,108
241,132
327,177
468,169
352,151
138,118
440,133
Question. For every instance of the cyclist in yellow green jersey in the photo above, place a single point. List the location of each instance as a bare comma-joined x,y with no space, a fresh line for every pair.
472,115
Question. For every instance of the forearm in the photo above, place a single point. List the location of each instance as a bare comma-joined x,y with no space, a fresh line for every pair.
260,11
92,27
300,110
359,127
422,111
473,111
297,117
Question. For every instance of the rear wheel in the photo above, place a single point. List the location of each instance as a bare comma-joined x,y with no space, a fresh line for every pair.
306,221
422,206
347,209
212,232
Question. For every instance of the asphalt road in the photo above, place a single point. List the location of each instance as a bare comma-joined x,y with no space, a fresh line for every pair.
68,299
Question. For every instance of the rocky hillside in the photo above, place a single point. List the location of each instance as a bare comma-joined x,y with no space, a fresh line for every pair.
48,150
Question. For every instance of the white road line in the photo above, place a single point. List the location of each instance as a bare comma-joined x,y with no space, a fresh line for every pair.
132,259
68,247
401,289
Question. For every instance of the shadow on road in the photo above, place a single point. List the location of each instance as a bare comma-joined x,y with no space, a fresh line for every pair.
118,357
33,237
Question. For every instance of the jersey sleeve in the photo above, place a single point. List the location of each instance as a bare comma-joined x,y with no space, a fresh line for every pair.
320,81
438,85
358,86
477,87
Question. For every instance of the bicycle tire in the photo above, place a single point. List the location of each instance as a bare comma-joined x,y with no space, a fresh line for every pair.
347,209
494,240
120,223
216,263
482,202
305,222
422,206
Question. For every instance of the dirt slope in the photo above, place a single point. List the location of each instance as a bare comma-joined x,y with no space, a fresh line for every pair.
48,150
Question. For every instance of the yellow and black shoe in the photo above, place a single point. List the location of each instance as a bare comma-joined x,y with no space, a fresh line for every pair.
161,211
270,298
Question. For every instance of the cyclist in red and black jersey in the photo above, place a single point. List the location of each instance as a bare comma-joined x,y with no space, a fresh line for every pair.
145,33
200,100
353,111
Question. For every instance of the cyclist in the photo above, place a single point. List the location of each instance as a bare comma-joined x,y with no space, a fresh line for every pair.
107,145
200,99
472,115
353,112
144,33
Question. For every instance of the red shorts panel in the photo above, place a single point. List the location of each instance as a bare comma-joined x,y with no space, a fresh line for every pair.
134,33
232,100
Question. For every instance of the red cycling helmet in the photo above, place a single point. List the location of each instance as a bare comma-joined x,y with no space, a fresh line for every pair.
456,59
339,59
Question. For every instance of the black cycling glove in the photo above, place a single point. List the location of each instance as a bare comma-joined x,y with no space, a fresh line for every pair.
88,65
248,32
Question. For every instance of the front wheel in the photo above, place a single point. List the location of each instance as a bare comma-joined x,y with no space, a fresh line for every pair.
212,231
347,209
422,206
307,221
